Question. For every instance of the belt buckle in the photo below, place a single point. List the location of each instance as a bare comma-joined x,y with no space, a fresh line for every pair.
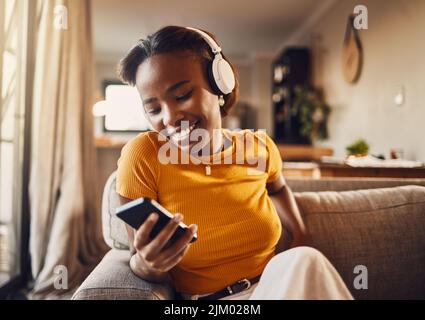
246,284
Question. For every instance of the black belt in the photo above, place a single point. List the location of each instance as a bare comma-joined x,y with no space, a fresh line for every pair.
237,287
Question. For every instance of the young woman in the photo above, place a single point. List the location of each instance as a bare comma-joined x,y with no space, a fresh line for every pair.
236,207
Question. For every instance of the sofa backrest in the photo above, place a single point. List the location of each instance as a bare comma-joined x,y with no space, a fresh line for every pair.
347,183
374,238
381,229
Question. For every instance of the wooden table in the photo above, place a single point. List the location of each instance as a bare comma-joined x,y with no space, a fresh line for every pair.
297,152
343,170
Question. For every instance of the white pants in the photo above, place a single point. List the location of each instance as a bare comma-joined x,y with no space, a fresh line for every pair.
301,273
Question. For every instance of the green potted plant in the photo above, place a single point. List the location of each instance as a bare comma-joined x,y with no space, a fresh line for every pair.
358,148
312,111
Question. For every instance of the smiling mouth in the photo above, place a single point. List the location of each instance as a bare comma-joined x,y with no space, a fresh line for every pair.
179,134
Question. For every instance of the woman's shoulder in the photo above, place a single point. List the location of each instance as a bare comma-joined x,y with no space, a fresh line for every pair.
245,134
144,143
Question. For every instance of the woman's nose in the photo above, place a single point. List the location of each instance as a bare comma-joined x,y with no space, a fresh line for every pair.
171,117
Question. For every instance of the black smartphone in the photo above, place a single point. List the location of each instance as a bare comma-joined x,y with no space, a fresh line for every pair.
135,212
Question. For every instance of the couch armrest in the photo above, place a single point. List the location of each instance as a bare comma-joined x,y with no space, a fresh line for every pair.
112,279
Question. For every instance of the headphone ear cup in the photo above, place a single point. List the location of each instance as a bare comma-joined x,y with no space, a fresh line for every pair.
223,75
211,79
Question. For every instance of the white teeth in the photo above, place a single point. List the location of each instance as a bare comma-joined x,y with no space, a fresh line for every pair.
182,134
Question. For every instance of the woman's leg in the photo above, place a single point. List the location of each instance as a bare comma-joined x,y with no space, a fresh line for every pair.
300,273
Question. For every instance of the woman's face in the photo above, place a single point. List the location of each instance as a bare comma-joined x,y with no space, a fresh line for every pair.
176,95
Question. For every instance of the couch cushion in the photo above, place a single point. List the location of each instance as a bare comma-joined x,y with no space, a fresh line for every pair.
112,279
382,229
114,231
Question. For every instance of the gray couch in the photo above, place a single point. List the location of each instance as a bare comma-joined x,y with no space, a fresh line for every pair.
376,223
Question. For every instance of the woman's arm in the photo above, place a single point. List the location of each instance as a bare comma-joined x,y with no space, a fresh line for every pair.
287,209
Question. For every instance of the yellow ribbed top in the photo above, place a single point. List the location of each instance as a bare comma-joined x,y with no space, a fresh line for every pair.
238,227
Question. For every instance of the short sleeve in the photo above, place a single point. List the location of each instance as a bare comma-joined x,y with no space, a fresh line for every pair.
137,172
274,168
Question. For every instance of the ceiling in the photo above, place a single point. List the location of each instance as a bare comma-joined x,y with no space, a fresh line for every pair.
242,26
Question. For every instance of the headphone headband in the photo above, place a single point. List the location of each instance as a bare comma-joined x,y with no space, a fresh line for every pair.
214,46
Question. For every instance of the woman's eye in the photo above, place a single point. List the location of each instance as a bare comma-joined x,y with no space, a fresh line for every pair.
154,111
184,96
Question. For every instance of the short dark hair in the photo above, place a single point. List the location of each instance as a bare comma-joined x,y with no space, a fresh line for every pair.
173,39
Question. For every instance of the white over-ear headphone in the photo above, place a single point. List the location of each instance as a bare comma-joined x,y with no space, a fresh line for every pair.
220,74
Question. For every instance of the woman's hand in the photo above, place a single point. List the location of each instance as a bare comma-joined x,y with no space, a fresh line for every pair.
155,257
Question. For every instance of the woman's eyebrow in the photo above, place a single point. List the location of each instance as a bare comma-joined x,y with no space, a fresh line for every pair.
177,85
148,100
171,88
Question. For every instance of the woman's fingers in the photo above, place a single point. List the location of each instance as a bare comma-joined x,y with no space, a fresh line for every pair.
158,253
157,244
170,260
180,244
169,257
141,238
174,259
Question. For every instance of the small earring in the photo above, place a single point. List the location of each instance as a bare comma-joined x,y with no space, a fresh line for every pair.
221,101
